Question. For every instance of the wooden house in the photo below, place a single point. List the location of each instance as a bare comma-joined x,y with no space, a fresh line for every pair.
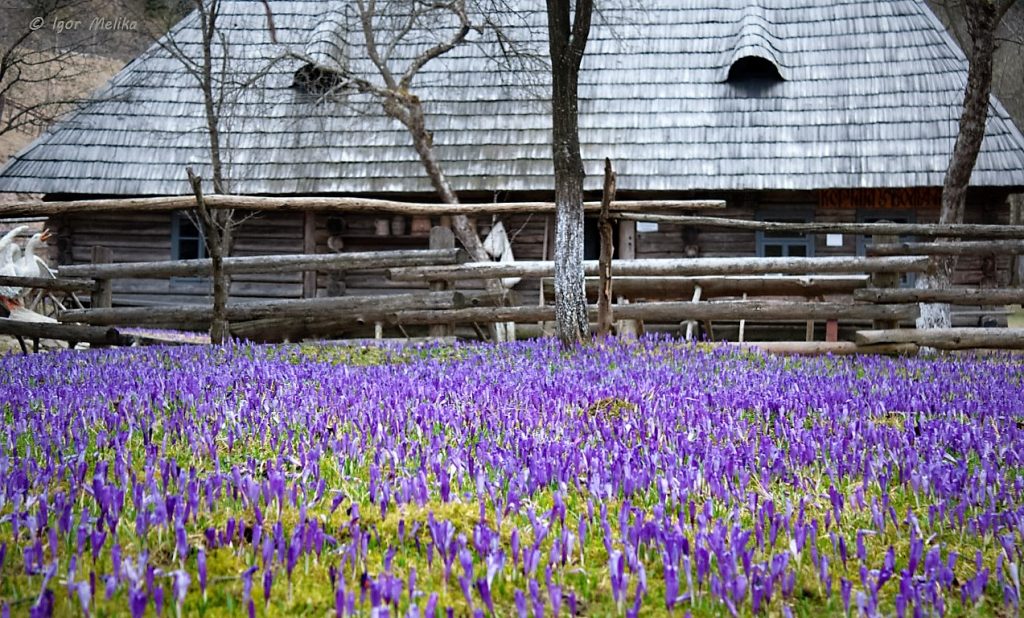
789,110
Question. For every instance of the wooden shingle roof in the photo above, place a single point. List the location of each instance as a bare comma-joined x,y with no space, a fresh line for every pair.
870,97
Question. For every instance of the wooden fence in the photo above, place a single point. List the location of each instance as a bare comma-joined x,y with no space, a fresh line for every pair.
673,291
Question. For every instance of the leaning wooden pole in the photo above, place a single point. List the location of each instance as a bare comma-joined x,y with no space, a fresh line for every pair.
604,296
965,230
351,205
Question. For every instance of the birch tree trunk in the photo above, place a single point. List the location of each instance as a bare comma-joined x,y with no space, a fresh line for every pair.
567,41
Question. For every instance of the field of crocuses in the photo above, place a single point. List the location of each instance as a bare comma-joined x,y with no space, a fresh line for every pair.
629,478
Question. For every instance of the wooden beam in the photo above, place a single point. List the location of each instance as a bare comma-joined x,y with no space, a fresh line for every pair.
670,312
827,347
93,335
920,229
678,288
951,296
55,285
947,338
103,295
762,310
667,267
314,308
355,205
964,247
368,260
309,248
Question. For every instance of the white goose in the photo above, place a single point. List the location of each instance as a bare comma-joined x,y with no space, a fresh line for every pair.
29,265
25,265
9,254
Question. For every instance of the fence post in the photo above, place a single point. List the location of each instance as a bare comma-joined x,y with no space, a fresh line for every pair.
103,295
441,238
884,279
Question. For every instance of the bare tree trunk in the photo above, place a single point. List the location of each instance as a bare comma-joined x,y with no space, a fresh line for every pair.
604,291
217,225
567,40
218,239
982,18
410,112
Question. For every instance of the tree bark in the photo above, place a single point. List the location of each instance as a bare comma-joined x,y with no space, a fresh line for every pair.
217,235
567,41
982,18
604,296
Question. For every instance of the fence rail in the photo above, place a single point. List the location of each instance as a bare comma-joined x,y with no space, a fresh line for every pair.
689,290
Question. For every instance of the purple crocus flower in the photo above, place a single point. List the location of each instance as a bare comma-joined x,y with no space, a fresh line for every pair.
201,569
431,609
137,601
484,590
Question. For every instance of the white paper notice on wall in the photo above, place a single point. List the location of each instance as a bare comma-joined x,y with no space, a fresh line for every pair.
646,226
833,240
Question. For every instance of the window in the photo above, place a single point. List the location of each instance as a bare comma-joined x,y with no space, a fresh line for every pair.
785,244
187,241
754,68
318,81
895,216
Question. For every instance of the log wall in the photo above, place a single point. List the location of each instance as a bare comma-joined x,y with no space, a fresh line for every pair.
147,237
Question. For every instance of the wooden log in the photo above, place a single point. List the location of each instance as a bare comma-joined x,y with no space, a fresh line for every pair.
313,308
667,267
339,322
966,230
441,238
368,260
53,285
670,312
93,335
103,294
884,280
309,248
827,347
964,247
680,288
951,296
947,338
354,205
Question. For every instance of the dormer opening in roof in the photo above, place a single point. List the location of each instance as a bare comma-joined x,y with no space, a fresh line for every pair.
326,54
753,69
751,61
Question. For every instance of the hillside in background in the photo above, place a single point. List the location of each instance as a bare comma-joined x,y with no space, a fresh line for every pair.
71,53
1008,77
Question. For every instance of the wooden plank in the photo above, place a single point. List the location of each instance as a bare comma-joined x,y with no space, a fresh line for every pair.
56,285
103,294
827,347
309,248
921,229
94,335
266,264
667,267
667,287
338,204
441,238
963,248
280,309
669,312
952,296
947,338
